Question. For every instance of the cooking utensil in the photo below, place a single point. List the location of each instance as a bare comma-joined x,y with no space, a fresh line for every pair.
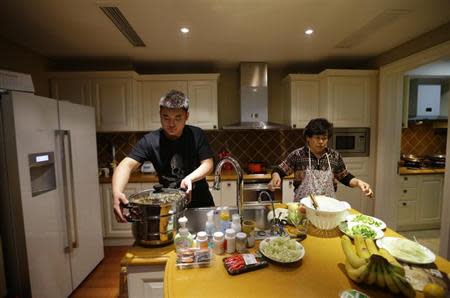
256,167
154,214
436,157
314,202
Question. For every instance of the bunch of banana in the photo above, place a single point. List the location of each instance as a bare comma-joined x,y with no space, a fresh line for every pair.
365,263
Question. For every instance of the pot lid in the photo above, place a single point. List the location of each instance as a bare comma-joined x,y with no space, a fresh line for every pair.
157,196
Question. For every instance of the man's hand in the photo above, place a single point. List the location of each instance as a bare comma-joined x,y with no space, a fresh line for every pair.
275,182
186,183
117,199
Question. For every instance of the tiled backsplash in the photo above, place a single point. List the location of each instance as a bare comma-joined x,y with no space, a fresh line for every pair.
270,147
423,139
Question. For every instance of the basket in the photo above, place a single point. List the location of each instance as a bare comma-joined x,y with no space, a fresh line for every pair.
330,214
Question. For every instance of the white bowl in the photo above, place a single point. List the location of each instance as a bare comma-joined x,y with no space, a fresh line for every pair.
330,213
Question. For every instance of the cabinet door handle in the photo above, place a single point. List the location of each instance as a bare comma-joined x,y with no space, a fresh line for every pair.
406,178
214,126
404,204
405,191
228,184
294,125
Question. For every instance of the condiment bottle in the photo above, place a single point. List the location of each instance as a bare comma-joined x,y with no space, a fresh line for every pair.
236,222
218,243
183,239
209,225
225,219
202,239
230,237
241,242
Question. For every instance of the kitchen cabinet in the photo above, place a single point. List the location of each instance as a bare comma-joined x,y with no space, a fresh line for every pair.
420,202
115,104
216,194
288,190
145,281
203,104
303,100
76,90
348,97
226,196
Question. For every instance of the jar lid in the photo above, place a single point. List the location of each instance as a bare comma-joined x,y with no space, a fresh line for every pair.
202,235
218,235
230,233
241,235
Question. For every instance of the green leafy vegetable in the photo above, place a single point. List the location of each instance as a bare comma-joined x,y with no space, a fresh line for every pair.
364,231
282,249
367,220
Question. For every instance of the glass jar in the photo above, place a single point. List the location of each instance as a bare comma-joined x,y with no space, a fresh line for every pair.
241,242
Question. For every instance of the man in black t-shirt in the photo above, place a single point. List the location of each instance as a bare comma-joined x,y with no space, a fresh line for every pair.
180,154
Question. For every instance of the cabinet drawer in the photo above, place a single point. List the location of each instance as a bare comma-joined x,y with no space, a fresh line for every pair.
408,194
408,181
406,212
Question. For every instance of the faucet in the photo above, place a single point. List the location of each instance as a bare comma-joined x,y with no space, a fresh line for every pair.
240,181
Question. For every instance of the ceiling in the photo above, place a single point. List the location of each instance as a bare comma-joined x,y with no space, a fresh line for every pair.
221,31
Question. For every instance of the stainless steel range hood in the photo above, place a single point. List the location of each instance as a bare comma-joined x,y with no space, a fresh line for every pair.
254,98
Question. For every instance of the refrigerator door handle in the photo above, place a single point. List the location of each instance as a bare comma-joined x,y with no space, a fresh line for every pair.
72,190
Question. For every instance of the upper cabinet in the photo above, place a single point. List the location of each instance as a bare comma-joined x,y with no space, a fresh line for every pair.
303,100
345,97
348,97
126,101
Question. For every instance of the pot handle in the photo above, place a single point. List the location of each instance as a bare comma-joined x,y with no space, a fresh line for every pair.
133,214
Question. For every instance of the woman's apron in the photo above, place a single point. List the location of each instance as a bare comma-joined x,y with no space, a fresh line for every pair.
316,182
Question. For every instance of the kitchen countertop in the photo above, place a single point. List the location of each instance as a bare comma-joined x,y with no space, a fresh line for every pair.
321,273
227,175
421,171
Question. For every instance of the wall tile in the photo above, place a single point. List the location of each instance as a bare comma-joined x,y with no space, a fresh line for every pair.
423,140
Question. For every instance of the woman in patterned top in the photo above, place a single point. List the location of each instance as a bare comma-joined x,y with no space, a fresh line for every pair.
316,167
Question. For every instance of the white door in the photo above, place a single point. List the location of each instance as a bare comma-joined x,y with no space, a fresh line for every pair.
305,102
79,122
228,190
430,199
288,190
36,119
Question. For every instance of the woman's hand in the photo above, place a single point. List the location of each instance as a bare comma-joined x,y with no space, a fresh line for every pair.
365,188
275,182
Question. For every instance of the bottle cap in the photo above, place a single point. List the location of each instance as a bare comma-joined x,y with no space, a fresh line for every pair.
182,221
241,235
230,233
236,218
218,235
202,235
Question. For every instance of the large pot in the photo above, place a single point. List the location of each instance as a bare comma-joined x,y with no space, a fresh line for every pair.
154,214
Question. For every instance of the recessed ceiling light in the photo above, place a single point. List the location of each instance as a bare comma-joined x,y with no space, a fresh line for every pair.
309,31
184,30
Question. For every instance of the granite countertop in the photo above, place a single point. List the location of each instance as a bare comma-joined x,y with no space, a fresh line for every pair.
421,171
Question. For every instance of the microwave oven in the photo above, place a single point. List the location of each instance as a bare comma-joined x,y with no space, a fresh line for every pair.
351,142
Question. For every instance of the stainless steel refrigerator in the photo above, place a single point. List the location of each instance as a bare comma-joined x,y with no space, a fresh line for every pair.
50,218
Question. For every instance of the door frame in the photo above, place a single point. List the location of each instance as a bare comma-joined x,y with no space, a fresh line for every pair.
389,140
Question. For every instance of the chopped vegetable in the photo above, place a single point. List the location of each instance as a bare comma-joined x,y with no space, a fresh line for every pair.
367,220
364,231
282,249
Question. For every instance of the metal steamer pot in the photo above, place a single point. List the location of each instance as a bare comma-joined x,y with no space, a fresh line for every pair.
154,214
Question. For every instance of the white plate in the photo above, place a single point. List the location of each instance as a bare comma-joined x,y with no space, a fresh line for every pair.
353,218
406,250
298,246
346,229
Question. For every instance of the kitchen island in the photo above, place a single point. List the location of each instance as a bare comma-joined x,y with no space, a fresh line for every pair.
321,273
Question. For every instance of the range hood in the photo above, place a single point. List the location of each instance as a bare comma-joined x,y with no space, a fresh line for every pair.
254,99
427,103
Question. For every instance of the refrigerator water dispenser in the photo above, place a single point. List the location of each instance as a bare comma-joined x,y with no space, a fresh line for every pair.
42,172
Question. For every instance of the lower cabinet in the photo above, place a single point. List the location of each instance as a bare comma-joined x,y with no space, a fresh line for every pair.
145,281
420,202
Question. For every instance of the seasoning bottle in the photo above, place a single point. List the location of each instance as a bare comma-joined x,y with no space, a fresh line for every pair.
218,243
202,240
217,218
209,225
183,239
230,238
241,242
236,222
224,219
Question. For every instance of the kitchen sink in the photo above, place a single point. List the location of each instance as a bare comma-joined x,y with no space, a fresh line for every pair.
256,212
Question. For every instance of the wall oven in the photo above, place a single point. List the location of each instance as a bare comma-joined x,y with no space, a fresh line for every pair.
351,142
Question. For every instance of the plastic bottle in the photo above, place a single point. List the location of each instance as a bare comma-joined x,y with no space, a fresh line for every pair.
218,240
241,242
217,219
202,240
236,222
210,228
183,239
225,219
230,237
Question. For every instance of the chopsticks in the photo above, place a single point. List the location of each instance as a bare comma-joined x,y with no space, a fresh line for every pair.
314,202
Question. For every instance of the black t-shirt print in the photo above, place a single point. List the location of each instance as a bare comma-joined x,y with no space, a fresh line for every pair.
175,159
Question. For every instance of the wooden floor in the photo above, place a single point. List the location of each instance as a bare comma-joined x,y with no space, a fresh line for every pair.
104,280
